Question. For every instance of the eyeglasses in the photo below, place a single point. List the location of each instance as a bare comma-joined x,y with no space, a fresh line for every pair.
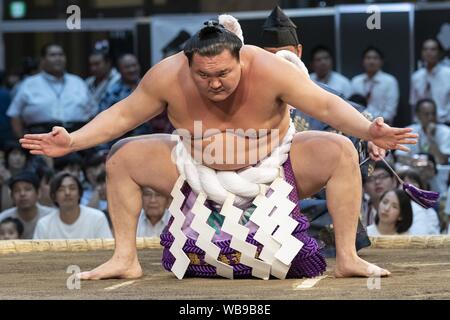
378,177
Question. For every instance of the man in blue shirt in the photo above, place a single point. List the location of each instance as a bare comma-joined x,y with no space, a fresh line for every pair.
130,75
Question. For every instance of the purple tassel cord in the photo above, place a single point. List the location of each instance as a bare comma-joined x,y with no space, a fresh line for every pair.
426,199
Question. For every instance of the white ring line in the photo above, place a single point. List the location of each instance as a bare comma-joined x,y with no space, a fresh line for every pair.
123,284
309,283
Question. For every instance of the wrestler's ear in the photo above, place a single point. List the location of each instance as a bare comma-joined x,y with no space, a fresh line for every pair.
299,50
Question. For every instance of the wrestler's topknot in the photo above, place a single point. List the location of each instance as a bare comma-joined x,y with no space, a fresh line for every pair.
212,40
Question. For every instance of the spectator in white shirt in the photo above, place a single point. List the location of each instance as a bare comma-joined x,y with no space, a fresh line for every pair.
432,81
71,220
380,88
52,97
322,65
425,221
154,216
434,138
25,194
394,215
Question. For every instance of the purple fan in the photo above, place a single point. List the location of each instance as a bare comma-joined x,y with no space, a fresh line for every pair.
426,199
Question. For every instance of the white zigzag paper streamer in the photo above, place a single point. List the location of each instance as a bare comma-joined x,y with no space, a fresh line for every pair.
280,249
290,245
205,235
239,233
176,249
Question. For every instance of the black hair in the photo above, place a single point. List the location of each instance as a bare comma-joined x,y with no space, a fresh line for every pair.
319,48
372,48
413,175
17,222
9,147
29,65
379,165
424,100
448,180
122,55
67,160
45,48
45,173
431,158
382,165
24,176
101,178
56,182
406,213
359,99
94,160
439,44
211,41
106,56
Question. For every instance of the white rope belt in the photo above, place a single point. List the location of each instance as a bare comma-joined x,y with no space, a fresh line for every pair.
246,184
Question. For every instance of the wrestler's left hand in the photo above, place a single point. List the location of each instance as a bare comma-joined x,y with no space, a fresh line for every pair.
53,144
376,153
390,138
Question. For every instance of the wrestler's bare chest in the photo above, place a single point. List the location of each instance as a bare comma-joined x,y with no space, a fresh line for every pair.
231,134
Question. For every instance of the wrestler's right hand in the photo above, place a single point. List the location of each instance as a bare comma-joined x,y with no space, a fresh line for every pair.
54,144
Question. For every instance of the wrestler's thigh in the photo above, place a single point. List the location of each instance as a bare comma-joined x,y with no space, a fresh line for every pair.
314,157
147,160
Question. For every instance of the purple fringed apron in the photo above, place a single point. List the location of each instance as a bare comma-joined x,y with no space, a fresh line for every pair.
308,263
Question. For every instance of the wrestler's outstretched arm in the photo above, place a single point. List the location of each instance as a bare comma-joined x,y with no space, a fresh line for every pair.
143,104
297,90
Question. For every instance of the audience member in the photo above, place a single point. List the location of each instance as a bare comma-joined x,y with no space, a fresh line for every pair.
24,192
322,65
154,216
375,185
380,88
434,138
103,75
11,229
394,215
130,75
432,81
425,221
71,220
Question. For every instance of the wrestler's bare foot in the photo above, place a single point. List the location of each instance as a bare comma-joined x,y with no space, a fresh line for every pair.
357,267
115,268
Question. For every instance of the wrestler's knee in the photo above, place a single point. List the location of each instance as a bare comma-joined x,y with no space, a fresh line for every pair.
325,148
348,150
114,158
143,142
